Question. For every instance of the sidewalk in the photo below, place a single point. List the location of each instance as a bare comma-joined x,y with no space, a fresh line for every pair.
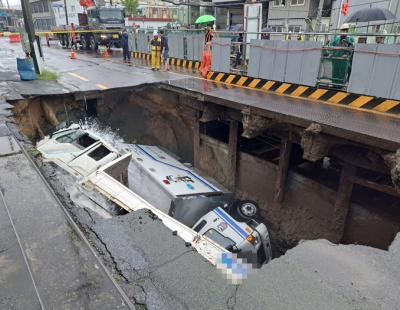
44,263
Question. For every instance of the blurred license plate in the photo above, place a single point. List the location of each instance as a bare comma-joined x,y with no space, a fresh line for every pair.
115,36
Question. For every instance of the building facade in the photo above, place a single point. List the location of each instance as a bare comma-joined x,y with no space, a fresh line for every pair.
42,14
73,9
299,15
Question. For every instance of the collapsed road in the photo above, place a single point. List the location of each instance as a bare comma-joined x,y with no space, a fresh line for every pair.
155,268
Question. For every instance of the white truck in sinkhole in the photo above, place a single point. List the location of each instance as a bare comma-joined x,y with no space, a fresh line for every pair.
201,211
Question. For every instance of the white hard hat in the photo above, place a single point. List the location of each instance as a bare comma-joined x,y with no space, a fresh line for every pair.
155,33
345,26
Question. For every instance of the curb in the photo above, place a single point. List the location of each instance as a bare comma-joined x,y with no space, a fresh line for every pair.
190,64
330,96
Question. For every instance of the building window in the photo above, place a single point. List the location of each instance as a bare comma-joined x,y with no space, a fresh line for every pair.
278,3
296,2
72,8
294,28
277,28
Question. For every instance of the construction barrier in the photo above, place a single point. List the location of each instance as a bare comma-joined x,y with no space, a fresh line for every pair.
329,96
190,64
15,38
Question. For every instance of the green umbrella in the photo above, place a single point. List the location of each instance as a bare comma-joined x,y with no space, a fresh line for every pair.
204,19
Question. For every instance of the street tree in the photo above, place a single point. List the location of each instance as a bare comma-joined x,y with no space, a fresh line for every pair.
131,6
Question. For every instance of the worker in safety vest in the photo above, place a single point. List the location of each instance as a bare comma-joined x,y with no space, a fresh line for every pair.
73,37
155,44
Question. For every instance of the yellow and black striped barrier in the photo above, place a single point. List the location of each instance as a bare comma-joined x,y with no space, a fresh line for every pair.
330,96
190,64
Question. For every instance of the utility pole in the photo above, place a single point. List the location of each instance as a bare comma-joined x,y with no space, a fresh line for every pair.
30,30
66,12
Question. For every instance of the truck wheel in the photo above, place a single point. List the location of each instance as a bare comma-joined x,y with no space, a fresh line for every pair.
93,44
247,209
85,43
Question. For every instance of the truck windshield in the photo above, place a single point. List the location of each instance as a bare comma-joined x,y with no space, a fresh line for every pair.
220,239
111,14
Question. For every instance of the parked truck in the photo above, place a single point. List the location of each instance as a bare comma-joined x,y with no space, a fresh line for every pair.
98,26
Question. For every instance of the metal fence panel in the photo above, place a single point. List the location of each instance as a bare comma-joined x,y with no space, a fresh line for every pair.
172,44
221,51
132,42
395,93
255,58
384,71
294,62
362,68
267,59
374,73
310,63
175,44
189,44
280,61
143,42
195,43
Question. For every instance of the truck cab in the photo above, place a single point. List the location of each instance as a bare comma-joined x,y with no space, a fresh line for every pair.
109,19
249,240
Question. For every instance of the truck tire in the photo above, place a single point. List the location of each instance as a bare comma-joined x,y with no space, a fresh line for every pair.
247,209
85,42
93,43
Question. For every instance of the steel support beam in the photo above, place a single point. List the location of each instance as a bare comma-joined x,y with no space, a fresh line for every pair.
196,143
343,200
283,169
232,152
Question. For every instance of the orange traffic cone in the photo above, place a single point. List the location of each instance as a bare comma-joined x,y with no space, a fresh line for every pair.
73,54
106,54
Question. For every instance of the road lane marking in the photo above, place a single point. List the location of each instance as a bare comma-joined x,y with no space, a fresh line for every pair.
78,76
101,86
